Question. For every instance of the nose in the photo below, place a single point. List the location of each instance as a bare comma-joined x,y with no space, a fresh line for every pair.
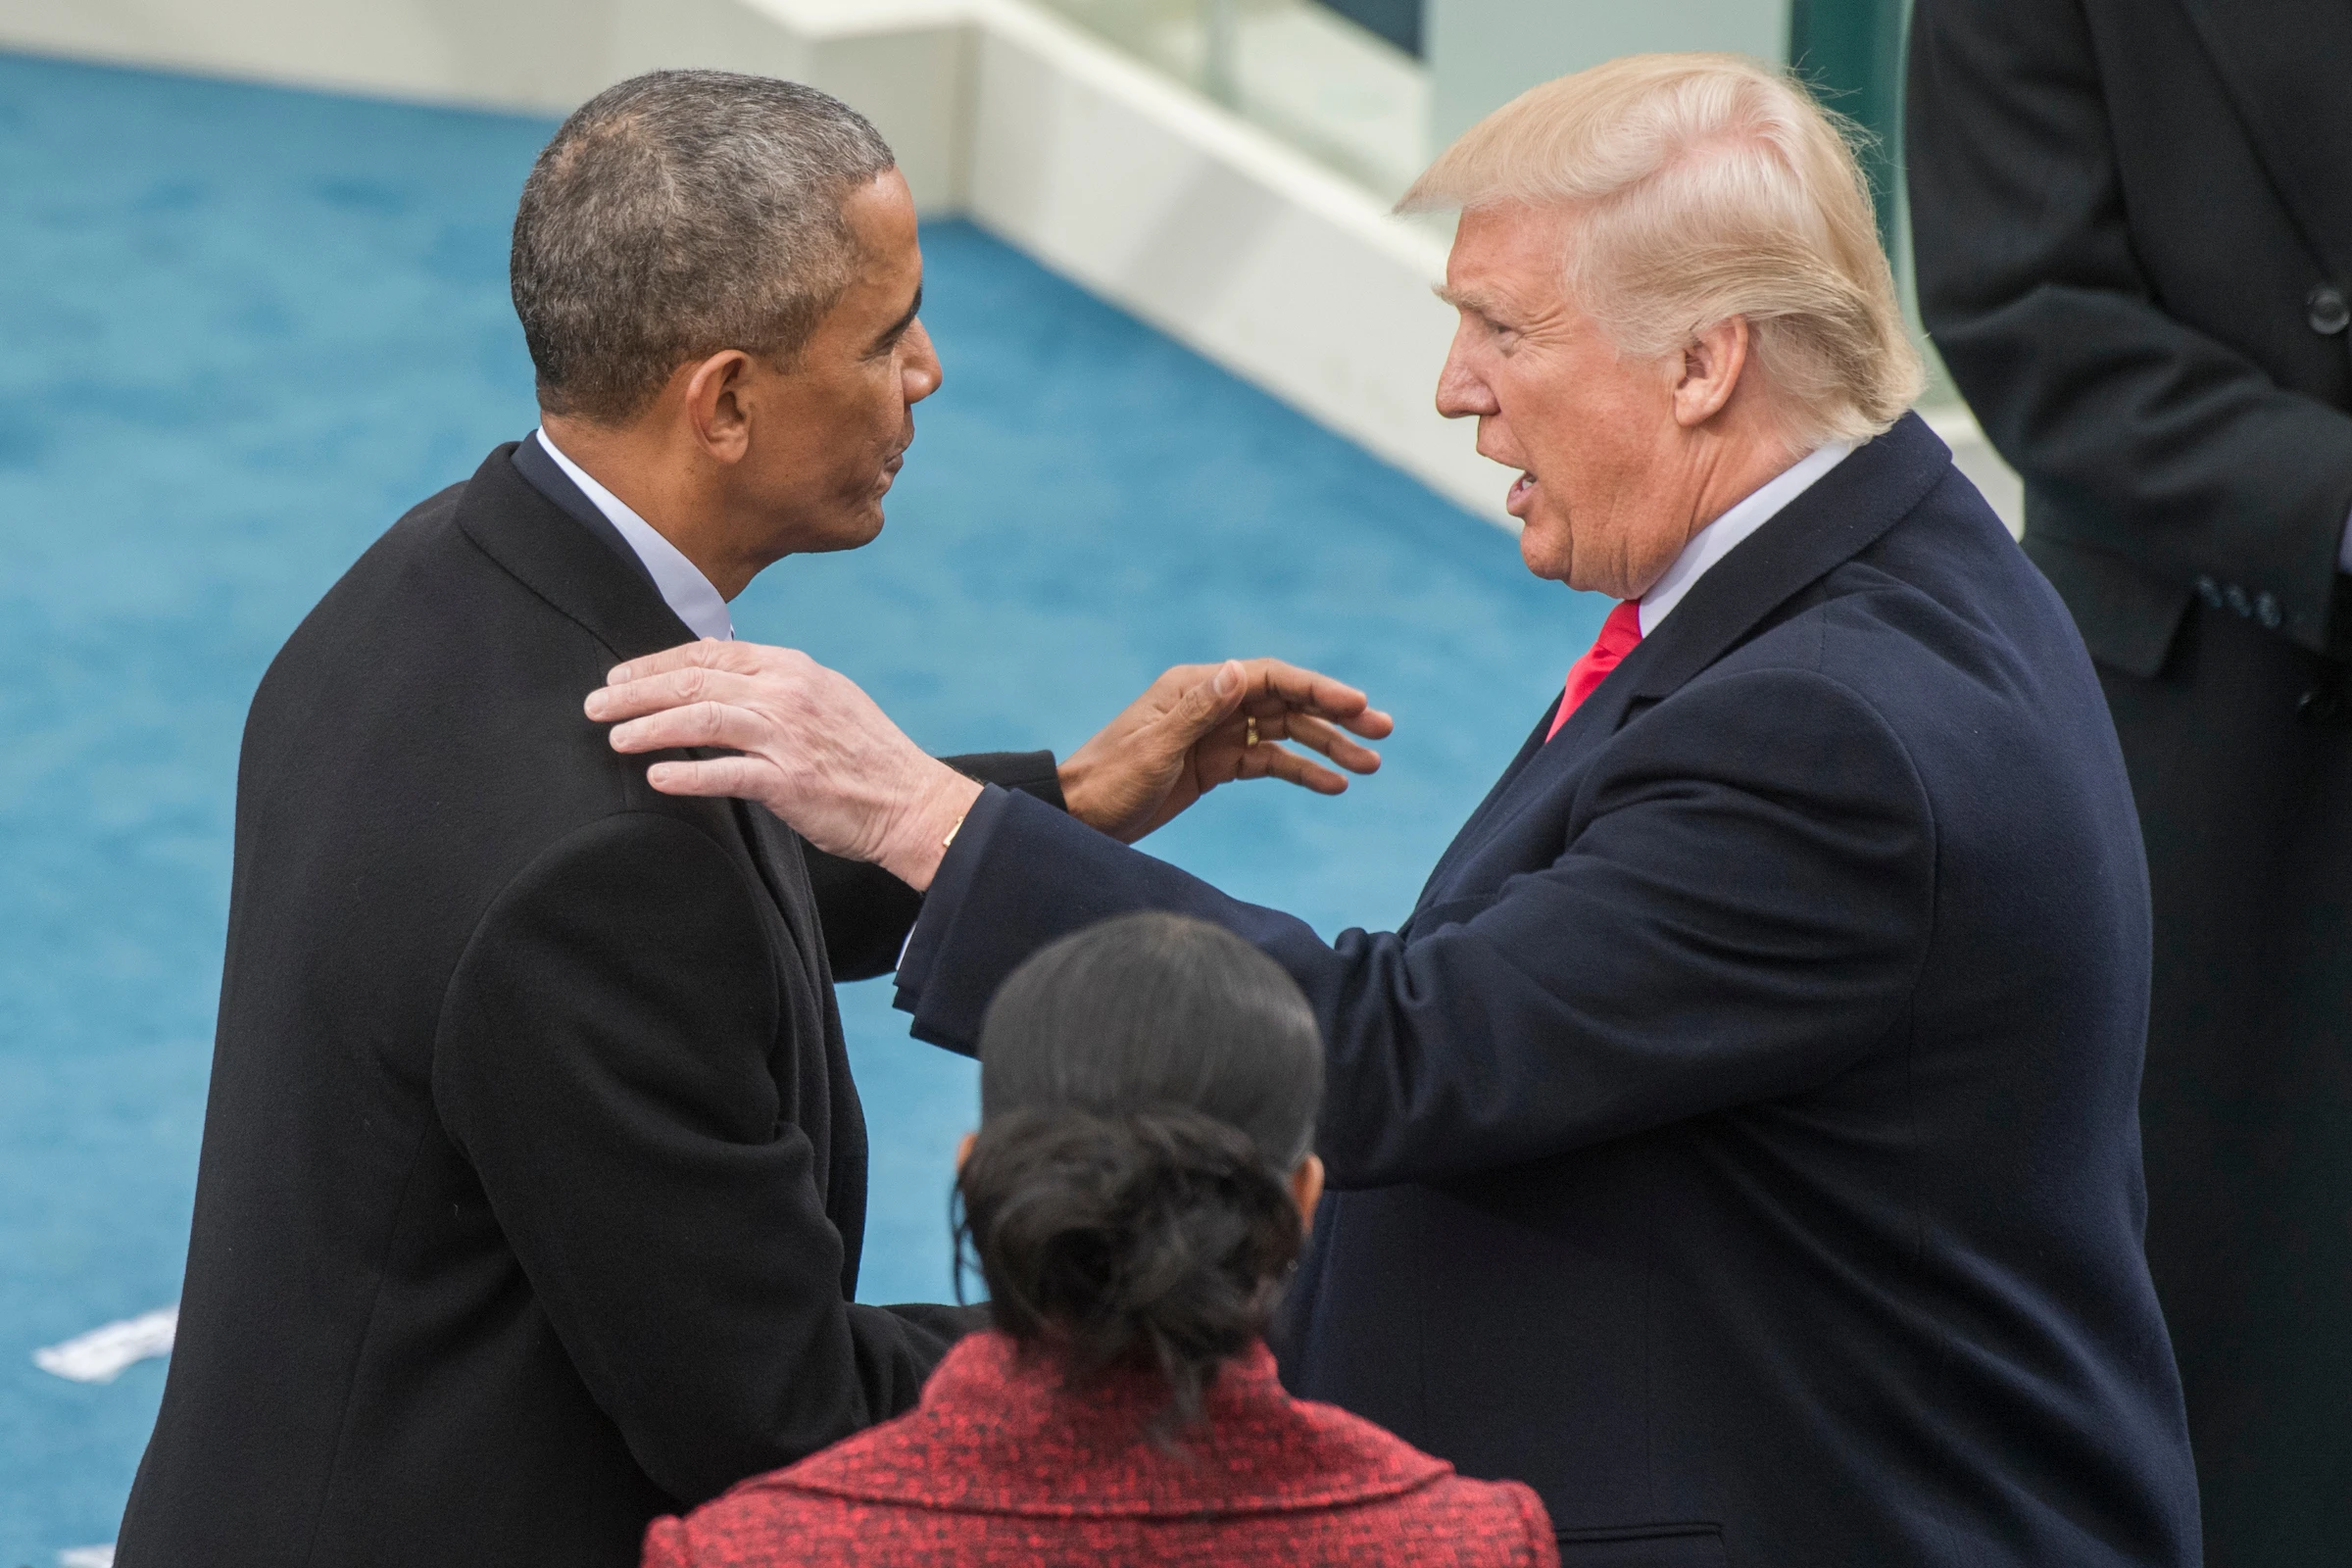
1462,392
920,371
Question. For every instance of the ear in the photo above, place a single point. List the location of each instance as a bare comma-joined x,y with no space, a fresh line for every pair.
964,1151
1712,365
1306,1187
715,407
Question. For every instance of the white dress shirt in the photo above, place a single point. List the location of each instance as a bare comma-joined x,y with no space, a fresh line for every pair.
682,585
1716,540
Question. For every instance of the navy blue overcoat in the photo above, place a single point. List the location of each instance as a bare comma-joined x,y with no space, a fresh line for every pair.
1739,1142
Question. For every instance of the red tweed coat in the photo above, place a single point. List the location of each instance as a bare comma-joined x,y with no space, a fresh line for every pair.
998,1465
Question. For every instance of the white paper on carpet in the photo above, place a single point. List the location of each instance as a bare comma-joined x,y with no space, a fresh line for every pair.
100,1355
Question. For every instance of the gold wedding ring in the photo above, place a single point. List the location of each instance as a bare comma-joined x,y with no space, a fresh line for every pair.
1251,732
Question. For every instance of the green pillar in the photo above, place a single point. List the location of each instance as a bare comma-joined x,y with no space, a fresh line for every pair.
1850,52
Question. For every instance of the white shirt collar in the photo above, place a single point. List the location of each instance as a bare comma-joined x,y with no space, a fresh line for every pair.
682,585
1718,538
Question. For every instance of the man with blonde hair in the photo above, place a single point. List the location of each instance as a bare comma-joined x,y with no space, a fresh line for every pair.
1738,1140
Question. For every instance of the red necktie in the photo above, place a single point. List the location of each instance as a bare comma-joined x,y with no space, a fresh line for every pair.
1620,635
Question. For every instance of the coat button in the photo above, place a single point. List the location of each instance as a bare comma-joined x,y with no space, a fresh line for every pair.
2325,309
2210,591
2266,611
2237,601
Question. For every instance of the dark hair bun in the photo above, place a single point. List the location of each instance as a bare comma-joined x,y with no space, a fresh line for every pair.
1156,1239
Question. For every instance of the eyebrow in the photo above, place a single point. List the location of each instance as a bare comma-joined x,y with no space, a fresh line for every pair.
1474,300
897,329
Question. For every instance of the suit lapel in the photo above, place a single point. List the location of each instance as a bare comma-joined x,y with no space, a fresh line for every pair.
531,461
557,558
560,558
2285,67
1468,836
785,869
1845,512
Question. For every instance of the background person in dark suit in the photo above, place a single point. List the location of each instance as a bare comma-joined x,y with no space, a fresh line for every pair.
1133,1199
2133,228
533,1174
1738,1143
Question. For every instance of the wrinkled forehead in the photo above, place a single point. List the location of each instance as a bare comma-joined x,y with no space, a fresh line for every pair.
1509,257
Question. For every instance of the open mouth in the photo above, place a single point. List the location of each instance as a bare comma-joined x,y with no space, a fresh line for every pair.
1522,489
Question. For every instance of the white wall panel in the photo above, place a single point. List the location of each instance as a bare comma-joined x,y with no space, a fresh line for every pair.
902,61
1231,242
1225,239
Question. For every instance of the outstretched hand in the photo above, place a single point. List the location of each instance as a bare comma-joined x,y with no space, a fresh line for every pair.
1202,725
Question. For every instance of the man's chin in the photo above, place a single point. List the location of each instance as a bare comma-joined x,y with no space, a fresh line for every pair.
1546,556
852,528
865,530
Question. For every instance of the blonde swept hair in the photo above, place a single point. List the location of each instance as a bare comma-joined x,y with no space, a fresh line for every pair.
1704,187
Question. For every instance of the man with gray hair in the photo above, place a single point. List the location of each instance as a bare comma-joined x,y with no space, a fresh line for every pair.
1738,1140
533,1174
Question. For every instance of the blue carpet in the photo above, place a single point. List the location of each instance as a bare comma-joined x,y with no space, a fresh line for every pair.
241,329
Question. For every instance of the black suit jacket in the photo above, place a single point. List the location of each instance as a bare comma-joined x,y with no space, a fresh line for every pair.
2132,223
1738,1143
533,1174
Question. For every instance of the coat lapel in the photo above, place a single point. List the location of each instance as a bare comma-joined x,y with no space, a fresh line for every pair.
1845,512
2286,66
557,558
1469,836
599,584
784,868
586,576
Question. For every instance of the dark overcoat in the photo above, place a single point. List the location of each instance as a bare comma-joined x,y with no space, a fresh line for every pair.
533,1175
2134,229
1739,1142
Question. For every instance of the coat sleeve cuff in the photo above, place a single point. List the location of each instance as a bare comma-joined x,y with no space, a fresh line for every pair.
949,885
1034,774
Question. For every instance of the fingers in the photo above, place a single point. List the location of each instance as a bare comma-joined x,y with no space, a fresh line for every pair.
707,653
695,724
1302,688
1273,682
1315,733
1280,761
676,687
1207,704
745,776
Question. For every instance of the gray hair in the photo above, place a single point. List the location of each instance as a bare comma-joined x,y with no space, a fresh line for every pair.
678,214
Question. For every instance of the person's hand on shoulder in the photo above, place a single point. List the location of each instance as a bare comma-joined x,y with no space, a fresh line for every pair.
809,744
815,750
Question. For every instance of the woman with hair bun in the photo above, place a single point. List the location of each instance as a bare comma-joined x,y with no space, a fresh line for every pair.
1135,1198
